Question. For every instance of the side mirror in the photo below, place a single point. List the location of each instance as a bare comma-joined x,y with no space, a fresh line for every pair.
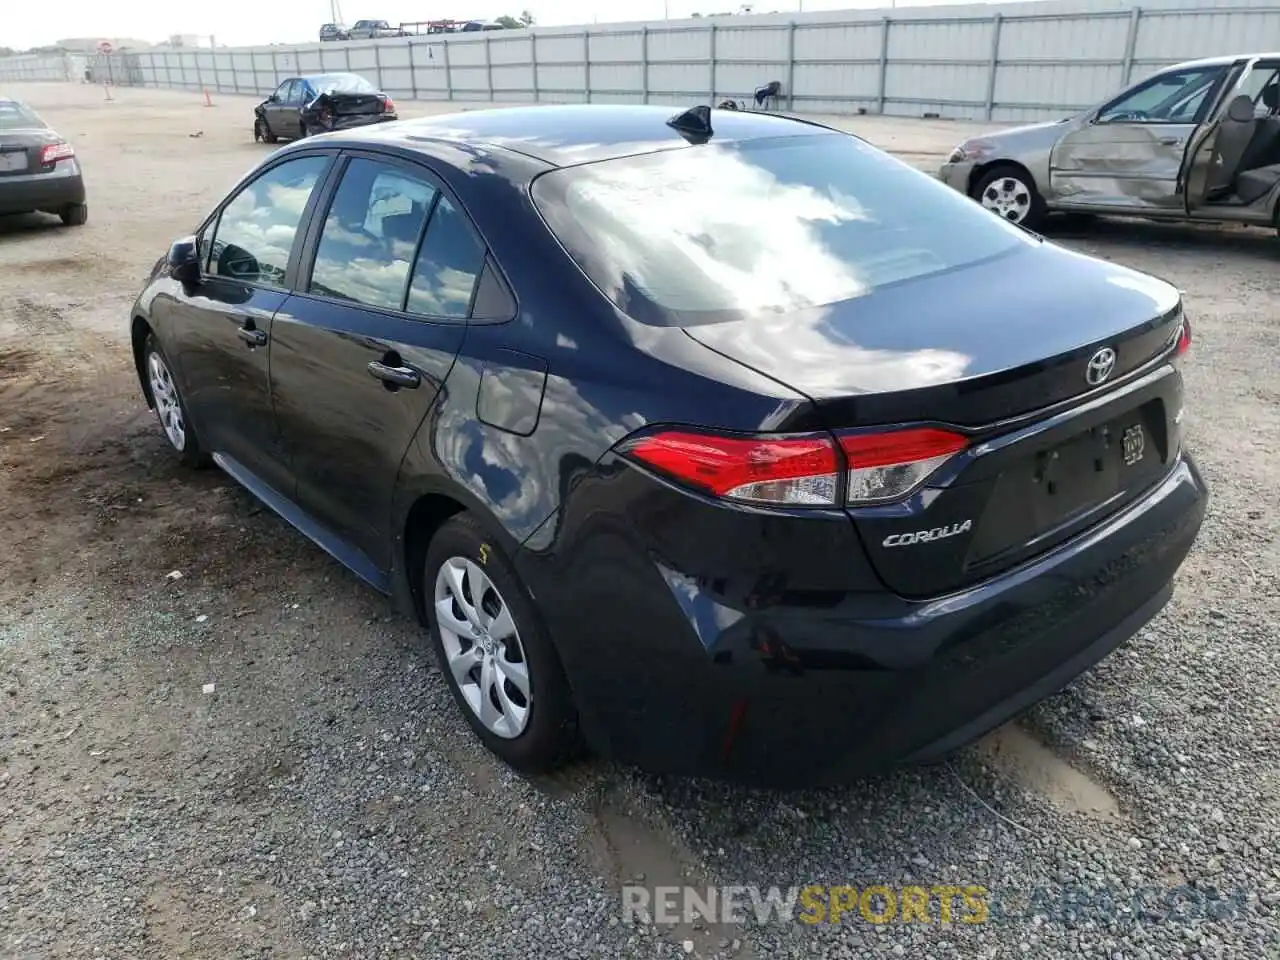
184,262
274,98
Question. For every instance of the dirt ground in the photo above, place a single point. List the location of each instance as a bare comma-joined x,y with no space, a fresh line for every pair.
325,799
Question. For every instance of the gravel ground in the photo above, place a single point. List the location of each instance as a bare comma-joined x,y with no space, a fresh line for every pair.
326,800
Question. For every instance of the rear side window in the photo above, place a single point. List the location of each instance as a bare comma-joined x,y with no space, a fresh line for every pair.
17,116
254,235
716,232
449,263
369,237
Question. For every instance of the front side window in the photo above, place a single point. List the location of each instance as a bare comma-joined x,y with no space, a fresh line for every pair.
451,259
767,226
370,235
255,233
1169,98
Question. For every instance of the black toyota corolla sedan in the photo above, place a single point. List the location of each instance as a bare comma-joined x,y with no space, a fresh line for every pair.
720,443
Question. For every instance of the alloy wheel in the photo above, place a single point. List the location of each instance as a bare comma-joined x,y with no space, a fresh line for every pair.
482,647
165,394
1008,197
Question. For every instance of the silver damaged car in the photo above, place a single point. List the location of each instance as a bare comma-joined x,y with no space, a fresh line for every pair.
1195,141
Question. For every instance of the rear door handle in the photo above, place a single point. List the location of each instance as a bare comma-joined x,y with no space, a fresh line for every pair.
1171,141
254,338
397,376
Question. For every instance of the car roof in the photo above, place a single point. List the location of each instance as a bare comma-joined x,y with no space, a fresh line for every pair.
570,134
1221,61
328,73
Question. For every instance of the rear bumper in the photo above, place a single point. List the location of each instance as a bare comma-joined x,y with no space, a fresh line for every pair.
359,120
818,688
42,191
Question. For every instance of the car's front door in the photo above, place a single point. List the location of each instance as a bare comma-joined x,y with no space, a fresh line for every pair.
220,328
275,109
363,347
1129,156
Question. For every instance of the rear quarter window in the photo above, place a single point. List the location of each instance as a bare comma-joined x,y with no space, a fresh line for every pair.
716,232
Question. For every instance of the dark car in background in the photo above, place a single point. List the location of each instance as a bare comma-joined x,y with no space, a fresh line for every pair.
719,441
38,168
334,31
302,106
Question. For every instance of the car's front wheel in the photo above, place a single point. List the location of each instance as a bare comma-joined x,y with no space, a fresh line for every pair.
1010,192
262,131
495,654
170,410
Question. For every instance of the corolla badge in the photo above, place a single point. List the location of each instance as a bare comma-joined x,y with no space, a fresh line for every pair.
1100,366
927,536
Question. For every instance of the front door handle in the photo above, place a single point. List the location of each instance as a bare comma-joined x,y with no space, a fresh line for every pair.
254,338
396,376
1171,141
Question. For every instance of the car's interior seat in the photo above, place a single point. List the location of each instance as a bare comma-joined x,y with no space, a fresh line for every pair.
1234,138
400,231
1259,166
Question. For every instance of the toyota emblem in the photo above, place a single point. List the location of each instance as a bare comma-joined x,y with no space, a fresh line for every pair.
1100,366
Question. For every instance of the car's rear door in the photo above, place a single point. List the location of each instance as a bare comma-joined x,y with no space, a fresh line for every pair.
1129,156
219,330
364,345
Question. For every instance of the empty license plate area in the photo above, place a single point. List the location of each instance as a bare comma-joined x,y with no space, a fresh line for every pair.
1049,493
13,161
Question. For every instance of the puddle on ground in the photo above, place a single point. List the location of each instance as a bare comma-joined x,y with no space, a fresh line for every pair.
1036,767
629,851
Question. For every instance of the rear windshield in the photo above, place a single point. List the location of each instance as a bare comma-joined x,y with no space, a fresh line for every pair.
16,116
341,83
714,232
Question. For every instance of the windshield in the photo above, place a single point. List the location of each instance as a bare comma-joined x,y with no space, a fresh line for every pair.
341,83
713,232
17,116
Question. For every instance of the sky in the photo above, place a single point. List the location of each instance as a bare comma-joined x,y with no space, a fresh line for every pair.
236,22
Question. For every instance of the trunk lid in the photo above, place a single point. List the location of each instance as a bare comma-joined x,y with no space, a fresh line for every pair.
20,150
353,104
999,349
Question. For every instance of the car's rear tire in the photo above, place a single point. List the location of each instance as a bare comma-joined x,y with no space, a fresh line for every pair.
169,407
494,652
74,214
1010,192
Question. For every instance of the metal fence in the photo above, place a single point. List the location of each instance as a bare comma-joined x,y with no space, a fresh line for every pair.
1020,61
43,66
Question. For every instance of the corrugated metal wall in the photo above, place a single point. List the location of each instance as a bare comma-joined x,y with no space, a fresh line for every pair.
43,66
1017,61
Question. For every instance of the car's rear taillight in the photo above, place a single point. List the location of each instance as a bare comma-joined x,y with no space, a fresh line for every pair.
797,470
889,465
53,152
388,105
1184,339
790,470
